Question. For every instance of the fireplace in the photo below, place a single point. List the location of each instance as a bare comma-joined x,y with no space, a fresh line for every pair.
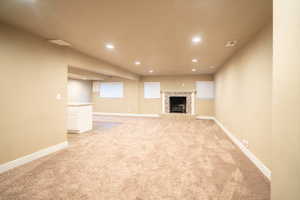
189,102
177,104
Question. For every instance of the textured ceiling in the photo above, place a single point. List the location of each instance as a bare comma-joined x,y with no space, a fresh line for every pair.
156,32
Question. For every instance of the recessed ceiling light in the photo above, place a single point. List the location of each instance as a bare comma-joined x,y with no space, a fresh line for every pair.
194,60
109,46
151,71
137,62
194,70
196,39
231,43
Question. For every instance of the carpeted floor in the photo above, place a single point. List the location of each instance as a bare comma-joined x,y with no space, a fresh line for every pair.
141,159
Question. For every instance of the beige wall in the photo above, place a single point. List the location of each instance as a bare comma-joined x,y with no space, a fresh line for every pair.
32,73
175,83
134,101
79,91
286,101
127,104
243,94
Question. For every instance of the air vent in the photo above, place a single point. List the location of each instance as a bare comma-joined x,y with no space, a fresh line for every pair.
60,42
231,43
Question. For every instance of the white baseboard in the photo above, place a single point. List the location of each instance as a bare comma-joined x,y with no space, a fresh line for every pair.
205,117
31,157
79,131
260,165
127,114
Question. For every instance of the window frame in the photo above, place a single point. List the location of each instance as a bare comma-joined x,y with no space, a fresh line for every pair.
208,87
146,86
121,95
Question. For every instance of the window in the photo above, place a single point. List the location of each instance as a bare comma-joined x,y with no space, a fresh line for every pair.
151,90
111,90
205,89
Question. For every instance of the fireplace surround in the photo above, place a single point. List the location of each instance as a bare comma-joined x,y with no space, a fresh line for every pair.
189,101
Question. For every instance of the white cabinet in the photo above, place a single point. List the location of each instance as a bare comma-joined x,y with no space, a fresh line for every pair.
80,118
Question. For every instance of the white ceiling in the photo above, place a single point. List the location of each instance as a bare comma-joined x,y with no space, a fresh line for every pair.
156,32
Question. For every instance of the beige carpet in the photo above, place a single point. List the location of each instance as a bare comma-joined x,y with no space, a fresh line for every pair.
141,159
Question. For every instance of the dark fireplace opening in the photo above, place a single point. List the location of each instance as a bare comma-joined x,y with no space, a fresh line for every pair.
177,104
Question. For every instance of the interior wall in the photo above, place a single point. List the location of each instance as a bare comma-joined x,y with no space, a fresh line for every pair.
127,104
79,91
134,101
32,74
243,94
175,83
286,101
